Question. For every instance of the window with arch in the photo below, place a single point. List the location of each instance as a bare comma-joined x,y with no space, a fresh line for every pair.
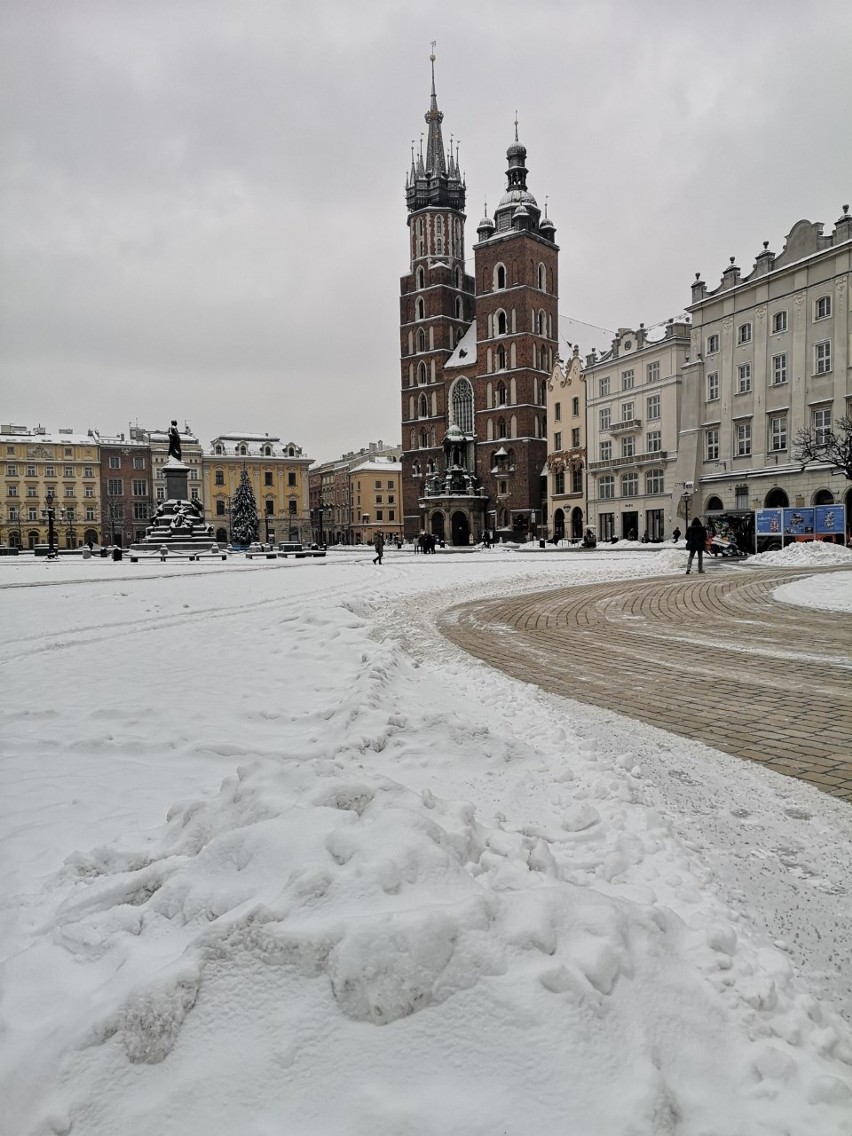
501,323
501,393
423,407
542,323
421,339
501,428
458,270
411,406
500,276
421,278
421,374
459,310
501,358
714,505
415,469
462,403
267,451
420,309
219,450
630,485
220,477
424,440
242,450
542,278
513,427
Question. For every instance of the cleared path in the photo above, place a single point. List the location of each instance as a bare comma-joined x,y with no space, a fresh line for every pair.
710,657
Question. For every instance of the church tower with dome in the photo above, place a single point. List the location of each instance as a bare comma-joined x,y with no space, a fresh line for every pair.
477,350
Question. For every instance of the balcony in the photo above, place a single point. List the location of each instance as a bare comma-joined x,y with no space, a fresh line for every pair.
625,426
653,458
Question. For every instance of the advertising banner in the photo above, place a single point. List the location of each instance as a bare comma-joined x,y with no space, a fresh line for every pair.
798,522
830,520
768,522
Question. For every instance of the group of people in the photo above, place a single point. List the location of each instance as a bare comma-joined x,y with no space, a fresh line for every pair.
426,542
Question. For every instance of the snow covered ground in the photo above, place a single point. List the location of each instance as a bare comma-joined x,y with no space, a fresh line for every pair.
280,859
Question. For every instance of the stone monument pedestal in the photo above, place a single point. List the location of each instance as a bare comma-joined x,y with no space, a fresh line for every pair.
178,524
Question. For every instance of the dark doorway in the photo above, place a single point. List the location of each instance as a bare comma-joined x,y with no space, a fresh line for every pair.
438,525
559,524
629,526
461,529
576,522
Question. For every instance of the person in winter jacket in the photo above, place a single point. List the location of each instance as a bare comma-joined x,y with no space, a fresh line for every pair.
696,541
379,545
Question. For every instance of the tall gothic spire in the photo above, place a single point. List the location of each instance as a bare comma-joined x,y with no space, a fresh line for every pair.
436,180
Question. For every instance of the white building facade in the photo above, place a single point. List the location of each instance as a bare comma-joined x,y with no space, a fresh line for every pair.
633,400
770,356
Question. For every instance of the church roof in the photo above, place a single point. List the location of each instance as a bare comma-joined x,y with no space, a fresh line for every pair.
465,352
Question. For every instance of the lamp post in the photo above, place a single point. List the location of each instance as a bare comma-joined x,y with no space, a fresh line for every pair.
50,512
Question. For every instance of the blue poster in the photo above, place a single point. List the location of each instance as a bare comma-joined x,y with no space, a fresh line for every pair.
768,522
829,519
798,522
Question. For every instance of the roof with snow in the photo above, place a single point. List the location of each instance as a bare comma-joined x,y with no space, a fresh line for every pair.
465,352
378,465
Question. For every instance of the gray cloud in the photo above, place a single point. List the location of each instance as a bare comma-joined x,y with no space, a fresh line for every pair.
202,202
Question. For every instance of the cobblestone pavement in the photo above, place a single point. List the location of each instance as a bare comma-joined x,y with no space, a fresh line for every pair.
709,657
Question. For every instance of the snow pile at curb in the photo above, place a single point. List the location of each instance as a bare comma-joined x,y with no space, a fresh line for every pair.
804,554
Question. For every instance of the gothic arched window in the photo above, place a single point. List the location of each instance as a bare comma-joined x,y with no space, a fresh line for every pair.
423,407
501,358
419,310
421,339
501,323
421,374
501,393
501,428
500,276
421,278
542,278
462,401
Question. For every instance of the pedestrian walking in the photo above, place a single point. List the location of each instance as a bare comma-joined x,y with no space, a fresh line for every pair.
676,535
379,545
696,541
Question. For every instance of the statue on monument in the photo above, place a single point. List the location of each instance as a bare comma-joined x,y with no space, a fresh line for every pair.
174,441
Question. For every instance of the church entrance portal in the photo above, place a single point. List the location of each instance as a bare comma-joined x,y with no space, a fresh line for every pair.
461,529
438,525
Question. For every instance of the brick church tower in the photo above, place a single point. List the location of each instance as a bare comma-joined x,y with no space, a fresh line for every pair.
476,353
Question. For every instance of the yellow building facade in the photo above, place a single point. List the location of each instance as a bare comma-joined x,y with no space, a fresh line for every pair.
278,473
375,494
38,465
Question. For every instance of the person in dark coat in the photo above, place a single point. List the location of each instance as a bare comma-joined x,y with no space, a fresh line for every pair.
696,541
676,535
379,546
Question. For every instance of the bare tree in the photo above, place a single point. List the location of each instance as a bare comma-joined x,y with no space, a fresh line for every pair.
831,446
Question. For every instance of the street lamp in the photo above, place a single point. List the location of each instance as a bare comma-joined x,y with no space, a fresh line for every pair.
50,512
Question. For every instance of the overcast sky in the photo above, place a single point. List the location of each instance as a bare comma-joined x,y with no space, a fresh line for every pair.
202,205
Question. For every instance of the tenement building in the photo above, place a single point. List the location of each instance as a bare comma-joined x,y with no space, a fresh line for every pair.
634,394
566,449
278,475
769,357
47,472
476,352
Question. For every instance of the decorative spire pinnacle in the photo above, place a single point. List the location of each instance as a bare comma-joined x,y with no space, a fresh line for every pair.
516,124
436,171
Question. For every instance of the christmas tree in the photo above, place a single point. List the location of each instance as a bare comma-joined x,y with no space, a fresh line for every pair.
244,520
